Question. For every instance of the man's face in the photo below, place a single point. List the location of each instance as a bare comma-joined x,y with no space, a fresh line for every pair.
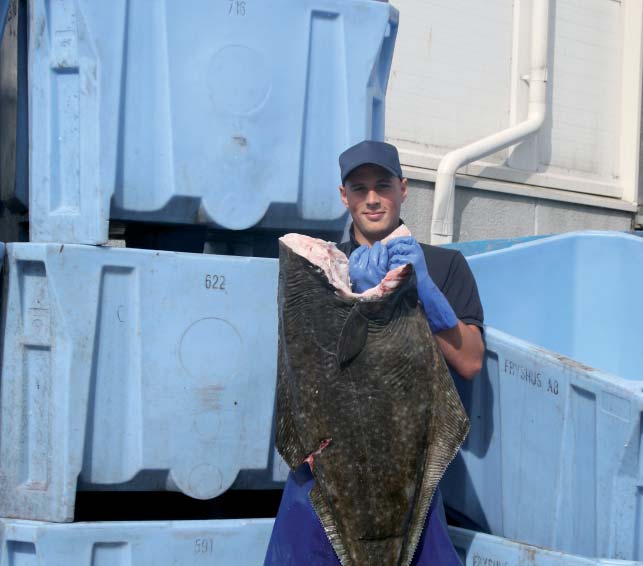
373,197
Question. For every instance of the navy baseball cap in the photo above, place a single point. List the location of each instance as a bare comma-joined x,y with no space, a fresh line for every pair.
375,152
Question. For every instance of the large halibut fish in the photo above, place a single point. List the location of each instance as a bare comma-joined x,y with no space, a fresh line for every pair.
365,397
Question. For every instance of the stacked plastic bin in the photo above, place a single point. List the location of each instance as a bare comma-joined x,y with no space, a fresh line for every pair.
137,369
128,369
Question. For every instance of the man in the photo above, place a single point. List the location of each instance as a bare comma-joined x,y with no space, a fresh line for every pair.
373,190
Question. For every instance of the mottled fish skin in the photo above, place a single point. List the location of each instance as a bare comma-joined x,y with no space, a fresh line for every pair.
388,404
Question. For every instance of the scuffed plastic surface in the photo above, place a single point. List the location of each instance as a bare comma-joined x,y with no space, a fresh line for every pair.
181,543
132,369
478,549
231,113
554,455
215,543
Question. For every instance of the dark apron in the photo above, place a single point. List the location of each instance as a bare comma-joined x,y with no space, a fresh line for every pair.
298,538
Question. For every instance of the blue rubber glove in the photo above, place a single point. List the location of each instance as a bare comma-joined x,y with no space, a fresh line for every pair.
438,310
368,266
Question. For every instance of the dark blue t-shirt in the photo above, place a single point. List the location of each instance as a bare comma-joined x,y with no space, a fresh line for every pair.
452,275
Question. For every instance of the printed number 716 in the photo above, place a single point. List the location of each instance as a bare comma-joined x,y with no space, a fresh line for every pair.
237,8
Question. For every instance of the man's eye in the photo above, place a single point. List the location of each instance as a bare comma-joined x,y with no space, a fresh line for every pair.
383,187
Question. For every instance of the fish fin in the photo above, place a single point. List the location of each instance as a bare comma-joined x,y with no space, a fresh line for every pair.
448,428
353,336
287,440
328,522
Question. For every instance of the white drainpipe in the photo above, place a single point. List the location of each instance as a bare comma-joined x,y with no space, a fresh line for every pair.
443,206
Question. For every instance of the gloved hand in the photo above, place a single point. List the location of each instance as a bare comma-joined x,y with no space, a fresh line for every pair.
436,307
368,266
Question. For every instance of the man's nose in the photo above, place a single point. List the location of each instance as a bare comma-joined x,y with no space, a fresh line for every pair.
372,198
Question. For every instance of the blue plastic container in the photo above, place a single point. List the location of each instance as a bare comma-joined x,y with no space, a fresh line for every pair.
214,543
231,113
478,549
179,543
132,369
482,246
554,456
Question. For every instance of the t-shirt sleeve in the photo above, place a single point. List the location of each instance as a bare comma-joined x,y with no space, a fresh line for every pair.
345,247
461,291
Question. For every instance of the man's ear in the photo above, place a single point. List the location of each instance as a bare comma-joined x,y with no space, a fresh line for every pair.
404,188
342,194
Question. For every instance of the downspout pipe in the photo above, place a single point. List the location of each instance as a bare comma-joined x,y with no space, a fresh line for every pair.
443,205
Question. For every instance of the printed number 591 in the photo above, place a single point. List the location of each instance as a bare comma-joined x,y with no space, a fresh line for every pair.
203,546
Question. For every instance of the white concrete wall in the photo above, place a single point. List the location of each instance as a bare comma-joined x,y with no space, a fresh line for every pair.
456,77
485,214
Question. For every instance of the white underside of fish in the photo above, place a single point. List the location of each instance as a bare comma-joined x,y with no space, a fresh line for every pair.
334,264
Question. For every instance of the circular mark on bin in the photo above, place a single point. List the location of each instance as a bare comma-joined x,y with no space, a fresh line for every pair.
208,424
211,349
205,482
240,210
238,79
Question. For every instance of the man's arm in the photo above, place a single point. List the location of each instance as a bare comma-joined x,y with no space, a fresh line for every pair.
460,343
462,348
